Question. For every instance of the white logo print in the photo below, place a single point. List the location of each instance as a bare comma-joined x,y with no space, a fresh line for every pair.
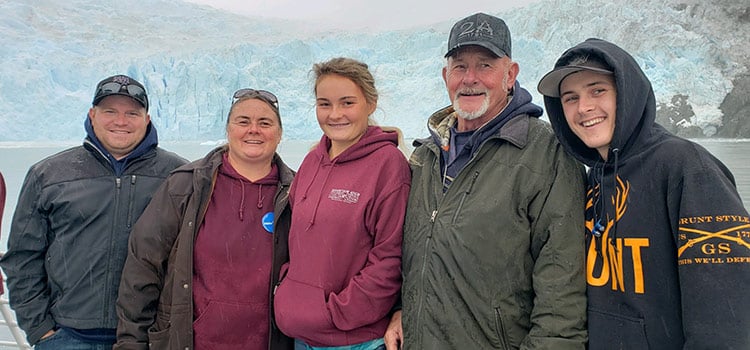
345,196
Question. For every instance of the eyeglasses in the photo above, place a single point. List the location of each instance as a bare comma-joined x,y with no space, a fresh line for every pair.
263,94
133,90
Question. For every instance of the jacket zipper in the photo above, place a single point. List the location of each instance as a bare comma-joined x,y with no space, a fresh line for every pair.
112,234
501,329
433,216
464,195
131,199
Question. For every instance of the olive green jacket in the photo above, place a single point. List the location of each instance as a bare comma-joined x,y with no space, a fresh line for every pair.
497,261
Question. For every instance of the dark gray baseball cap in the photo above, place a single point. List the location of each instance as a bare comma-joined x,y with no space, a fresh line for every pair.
482,30
549,85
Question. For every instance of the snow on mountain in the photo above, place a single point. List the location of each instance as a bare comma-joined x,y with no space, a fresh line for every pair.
191,58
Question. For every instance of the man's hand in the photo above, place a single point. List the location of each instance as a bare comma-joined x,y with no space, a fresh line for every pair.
394,335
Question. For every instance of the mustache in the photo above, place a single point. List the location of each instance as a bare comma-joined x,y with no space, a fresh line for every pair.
470,91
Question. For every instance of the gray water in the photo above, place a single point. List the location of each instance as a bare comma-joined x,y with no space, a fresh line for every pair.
15,160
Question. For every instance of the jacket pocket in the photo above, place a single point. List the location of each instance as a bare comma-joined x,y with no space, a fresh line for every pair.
158,339
613,331
502,333
301,309
158,333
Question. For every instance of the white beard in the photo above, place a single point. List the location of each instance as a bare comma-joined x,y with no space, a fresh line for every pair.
471,115
485,104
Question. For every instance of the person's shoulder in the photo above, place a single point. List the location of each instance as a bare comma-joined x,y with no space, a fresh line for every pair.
392,152
205,164
686,155
77,154
539,134
169,156
677,150
541,128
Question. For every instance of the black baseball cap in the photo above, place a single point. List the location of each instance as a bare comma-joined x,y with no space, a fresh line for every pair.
482,30
549,85
121,85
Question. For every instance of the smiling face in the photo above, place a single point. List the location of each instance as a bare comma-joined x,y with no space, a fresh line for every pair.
120,123
589,101
342,111
478,84
253,132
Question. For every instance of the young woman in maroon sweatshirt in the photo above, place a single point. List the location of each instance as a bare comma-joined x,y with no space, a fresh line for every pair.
348,204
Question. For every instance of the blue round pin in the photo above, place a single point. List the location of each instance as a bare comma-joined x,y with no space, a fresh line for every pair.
268,222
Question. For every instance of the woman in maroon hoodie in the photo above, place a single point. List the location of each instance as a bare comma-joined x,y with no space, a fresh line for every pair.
348,203
205,253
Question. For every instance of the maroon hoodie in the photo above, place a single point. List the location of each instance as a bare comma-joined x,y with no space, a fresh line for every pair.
232,262
344,274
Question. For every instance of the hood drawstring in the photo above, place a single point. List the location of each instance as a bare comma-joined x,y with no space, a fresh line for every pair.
260,196
599,213
317,169
616,202
242,200
241,212
320,196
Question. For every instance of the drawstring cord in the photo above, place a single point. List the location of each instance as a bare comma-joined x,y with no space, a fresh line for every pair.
613,235
260,196
598,228
320,195
242,200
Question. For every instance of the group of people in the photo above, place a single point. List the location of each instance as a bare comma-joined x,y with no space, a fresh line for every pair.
597,230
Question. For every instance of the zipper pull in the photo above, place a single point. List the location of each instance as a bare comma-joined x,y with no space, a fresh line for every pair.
432,217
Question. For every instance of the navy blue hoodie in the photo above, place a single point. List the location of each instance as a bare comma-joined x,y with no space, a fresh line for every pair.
672,267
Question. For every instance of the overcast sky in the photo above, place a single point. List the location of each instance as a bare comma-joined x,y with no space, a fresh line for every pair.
376,14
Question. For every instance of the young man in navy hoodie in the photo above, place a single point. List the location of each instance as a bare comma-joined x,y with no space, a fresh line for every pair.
667,235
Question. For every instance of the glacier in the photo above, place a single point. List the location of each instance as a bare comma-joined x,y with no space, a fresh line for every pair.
192,57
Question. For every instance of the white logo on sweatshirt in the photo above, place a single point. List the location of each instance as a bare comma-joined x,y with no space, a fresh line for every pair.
345,196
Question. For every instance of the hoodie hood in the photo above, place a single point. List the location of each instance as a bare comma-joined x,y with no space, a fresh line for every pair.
149,142
441,122
228,172
455,155
373,139
636,104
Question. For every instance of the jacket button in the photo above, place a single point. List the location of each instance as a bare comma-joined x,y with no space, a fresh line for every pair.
185,286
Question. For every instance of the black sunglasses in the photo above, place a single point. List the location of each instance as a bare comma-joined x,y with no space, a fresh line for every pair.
265,95
133,90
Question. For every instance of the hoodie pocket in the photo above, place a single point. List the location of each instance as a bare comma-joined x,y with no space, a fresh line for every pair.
229,322
613,331
301,309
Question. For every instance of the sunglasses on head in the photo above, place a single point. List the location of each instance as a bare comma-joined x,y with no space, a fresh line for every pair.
266,95
133,90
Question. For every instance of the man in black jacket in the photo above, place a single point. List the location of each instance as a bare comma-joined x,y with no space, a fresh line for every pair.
68,238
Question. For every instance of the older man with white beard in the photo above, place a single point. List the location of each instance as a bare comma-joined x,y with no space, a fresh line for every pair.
492,249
